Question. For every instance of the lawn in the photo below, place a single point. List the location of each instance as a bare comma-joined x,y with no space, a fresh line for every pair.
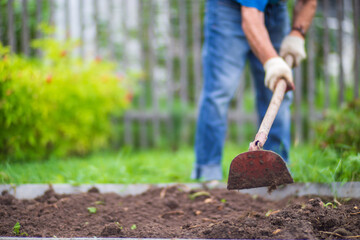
164,165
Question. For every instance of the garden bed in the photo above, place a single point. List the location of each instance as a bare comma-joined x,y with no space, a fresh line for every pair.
179,212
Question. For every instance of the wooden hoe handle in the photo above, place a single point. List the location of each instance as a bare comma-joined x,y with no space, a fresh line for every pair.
271,112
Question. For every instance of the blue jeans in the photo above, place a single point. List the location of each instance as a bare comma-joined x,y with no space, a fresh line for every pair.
225,52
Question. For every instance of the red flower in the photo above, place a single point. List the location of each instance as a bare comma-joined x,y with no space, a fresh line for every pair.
49,78
98,59
63,53
129,97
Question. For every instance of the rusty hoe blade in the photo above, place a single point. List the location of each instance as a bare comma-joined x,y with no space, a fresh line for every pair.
258,169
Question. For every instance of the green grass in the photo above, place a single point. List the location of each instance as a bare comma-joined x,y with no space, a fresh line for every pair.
309,165
164,166
126,166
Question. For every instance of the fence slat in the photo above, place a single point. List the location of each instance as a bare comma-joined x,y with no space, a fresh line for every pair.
152,65
82,28
356,19
11,30
183,52
298,100
110,10
67,19
124,27
128,124
96,22
39,9
142,99
2,39
25,28
183,49
311,78
340,17
39,19
169,68
196,36
128,131
326,54
51,12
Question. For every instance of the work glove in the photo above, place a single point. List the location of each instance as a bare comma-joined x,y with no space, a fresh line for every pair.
295,47
275,69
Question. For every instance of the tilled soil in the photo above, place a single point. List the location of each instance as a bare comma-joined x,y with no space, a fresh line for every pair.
177,212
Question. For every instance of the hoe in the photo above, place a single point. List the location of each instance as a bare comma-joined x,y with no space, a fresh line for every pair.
257,167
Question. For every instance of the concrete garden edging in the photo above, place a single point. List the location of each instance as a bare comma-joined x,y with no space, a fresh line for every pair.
29,191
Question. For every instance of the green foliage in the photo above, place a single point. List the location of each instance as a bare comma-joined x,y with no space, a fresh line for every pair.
133,227
332,205
100,203
193,196
92,210
58,105
119,225
268,213
335,155
340,129
16,230
312,164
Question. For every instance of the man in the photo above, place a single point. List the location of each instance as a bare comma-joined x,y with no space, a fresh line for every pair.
236,31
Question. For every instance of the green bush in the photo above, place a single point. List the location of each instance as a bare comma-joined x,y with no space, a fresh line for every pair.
335,155
340,129
57,105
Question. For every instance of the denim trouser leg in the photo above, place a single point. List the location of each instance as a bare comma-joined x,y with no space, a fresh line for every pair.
225,52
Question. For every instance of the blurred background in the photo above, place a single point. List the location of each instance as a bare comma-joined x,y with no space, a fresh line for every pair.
85,78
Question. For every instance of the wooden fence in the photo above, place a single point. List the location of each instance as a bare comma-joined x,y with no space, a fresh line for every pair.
163,39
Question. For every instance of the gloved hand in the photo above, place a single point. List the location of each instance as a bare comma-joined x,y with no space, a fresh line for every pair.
275,69
295,47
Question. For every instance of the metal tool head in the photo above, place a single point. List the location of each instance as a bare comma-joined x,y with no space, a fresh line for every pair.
258,169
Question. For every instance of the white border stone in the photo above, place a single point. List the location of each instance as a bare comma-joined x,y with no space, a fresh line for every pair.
30,191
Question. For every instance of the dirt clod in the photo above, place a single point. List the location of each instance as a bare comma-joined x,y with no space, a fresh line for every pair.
112,230
172,213
93,190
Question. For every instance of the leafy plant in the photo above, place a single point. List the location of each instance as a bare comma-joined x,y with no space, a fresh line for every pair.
313,164
330,204
16,230
133,227
340,129
193,196
268,213
119,225
58,105
92,210
100,203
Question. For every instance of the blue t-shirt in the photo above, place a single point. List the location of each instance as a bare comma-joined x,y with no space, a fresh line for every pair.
258,4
